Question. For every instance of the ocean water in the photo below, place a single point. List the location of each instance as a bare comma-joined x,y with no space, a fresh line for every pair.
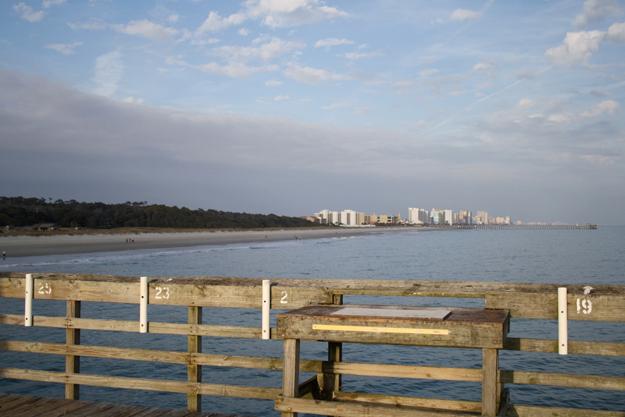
556,256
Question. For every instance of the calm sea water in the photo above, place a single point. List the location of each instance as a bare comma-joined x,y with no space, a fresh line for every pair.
580,257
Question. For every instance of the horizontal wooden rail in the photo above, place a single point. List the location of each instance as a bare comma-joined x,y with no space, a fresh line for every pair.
181,387
451,405
599,382
133,326
252,362
575,347
523,300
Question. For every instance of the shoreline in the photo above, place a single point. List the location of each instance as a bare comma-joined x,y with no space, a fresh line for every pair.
21,246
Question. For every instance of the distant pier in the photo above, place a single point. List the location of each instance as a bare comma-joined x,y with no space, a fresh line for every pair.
527,227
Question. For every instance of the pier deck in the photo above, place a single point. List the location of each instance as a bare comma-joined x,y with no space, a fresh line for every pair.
27,406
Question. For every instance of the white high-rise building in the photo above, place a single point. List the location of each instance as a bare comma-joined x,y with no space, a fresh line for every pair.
418,216
441,216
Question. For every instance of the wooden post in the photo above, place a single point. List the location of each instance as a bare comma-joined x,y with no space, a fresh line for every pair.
72,337
290,375
194,371
490,369
331,381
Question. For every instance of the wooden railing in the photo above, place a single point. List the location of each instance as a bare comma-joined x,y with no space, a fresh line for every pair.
530,301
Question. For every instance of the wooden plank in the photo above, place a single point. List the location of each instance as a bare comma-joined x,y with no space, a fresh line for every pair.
202,292
182,387
131,326
290,372
239,391
405,371
599,382
72,337
194,371
355,409
434,403
545,306
575,347
35,408
490,368
534,411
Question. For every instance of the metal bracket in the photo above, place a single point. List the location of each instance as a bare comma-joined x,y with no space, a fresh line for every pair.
266,309
143,305
28,300
563,330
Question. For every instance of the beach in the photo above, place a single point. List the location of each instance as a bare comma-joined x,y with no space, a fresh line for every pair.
18,246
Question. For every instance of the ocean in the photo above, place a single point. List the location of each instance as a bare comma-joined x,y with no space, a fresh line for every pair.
535,256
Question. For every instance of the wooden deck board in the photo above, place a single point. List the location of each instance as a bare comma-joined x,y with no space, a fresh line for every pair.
26,406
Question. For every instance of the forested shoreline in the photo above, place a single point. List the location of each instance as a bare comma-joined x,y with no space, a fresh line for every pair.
26,211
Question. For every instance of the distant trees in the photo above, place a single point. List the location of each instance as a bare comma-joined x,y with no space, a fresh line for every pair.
22,211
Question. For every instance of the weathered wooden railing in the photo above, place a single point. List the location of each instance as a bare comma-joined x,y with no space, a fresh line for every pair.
532,301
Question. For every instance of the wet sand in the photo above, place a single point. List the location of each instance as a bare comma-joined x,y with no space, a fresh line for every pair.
16,246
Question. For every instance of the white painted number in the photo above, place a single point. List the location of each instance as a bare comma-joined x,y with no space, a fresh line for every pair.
162,293
584,306
45,289
284,297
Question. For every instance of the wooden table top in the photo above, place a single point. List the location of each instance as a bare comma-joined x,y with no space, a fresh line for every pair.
430,326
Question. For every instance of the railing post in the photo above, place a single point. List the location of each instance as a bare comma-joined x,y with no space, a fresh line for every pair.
194,371
332,381
72,337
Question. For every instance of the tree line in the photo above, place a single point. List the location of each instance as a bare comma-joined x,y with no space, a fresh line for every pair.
24,211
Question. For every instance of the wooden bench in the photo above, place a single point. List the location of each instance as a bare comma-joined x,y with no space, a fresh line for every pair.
418,326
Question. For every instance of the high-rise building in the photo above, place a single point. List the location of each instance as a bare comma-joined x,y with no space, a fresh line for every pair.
441,216
481,217
464,217
418,216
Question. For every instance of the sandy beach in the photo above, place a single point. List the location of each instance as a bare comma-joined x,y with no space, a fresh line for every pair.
16,246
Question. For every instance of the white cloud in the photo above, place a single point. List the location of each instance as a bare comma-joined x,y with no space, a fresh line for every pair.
559,118
244,32
273,83
27,13
464,14
525,103
108,73
312,75
265,51
147,29
595,10
64,48
133,100
328,42
173,18
214,22
482,66
281,98
577,47
281,13
49,3
235,69
354,56
605,107
616,32
90,25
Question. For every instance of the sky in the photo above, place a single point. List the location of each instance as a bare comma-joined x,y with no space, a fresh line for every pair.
293,106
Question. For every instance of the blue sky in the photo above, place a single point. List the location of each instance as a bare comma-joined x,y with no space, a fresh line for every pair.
292,106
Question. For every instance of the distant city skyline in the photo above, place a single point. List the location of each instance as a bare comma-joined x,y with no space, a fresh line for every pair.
275,106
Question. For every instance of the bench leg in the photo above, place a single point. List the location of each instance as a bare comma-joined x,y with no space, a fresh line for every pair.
290,375
490,387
